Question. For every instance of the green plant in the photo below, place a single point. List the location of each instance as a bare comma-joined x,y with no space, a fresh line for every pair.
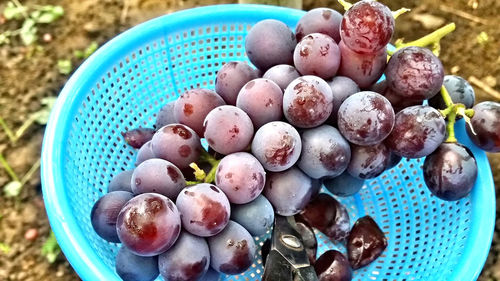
50,249
4,248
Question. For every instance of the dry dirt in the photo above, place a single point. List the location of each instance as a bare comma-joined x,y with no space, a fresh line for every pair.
27,75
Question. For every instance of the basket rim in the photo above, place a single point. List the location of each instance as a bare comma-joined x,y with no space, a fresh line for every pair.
77,248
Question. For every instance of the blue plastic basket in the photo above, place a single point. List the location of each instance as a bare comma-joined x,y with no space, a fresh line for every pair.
126,82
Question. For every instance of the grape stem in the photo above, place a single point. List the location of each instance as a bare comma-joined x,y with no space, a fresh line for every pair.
399,12
450,127
451,111
210,178
429,39
345,4
199,174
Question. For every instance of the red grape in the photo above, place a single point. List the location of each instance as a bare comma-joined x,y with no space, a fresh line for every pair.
317,54
369,161
366,242
319,20
282,74
231,77
486,124
176,143
105,212
158,176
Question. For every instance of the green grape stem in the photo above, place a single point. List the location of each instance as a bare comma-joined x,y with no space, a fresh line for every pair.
429,39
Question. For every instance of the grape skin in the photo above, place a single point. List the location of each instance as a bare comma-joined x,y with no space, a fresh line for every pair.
166,115
319,20
317,54
192,107
121,181
176,143
486,124
366,242
228,129
256,216
418,131
460,91
131,267
262,100
332,265
342,87
343,185
144,153
241,177
105,212
269,43
365,118
277,146
325,153
282,74
368,162
231,77
138,137
233,250
187,260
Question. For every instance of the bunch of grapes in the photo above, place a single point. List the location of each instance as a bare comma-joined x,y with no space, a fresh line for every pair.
310,114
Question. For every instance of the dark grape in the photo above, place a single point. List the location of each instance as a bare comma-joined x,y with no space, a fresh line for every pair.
319,20
277,146
158,176
148,224
211,275
262,100
231,78
121,181
307,102
343,185
486,124
342,87
333,266
176,143
399,102
282,74
192,107
233,250
339,231
415,73
325,153
289,191
418,131
138,137
256,216
205,209
269,43
365,118
367,27
364,69
379,87
460,91
187,260
369,161
241,176
166,115
394,160
228,129
366,242
131,267
105,212
144,153
317,54
450,171
308,238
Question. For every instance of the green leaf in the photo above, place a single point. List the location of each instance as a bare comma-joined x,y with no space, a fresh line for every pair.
90,49
12,189
64,66
4,248
49,14
79,54
42,116
13,12
5,38
50,249
28,32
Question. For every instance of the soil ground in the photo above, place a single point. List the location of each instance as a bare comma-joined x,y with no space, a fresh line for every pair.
27,75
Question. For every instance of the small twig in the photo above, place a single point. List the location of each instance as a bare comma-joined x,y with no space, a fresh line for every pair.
30,173
7,130
21,7
463,14
489,90
124,14
7,167
399,12
345,4
25,126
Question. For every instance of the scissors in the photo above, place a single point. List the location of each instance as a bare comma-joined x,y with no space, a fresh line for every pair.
287,259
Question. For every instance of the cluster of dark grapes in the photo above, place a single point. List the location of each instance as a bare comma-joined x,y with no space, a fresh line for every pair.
311,114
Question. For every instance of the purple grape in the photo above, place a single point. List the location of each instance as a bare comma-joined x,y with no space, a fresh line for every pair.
418,131
415,73
257,216
121,181
158,176
228,129
211,275
365,118
138,137
394,160
166,115
368,162
269,43
192,107
262,100
325,153
282,74
231,78
364,69
398,102
105,212
205,209
342,87
333,266
341,227
450,171
343,185
241,176
131,267
486,124
233,250
144,153
277,146
148,224
367,27
366,242
319,20
289,191
176,143
187,260
379,87
307,102
460,92
317,54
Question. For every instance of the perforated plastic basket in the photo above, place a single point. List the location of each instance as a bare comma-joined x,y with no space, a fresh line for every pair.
126,82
